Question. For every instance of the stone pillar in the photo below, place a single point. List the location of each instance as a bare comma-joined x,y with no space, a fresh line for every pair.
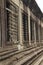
20,25
34,33
3,22
29,26
0,26
39,30
39,33
42,34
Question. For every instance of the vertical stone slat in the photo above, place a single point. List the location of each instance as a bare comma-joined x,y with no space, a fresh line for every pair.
29,26
34,33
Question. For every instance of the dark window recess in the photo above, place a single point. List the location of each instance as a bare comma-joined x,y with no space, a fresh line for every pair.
36,32
25,26
12,22
32,29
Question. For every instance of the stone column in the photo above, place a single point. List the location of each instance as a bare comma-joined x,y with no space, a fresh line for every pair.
0,26
3,22
20,25
29,26
39,30
39,33
42,34
34,33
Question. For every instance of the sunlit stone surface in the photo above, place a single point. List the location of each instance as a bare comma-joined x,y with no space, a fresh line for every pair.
38,61
41,63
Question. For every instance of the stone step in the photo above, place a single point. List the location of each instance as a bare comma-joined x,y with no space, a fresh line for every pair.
16,56
8,53
7,49
11,52
19,56
36,60
28,58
